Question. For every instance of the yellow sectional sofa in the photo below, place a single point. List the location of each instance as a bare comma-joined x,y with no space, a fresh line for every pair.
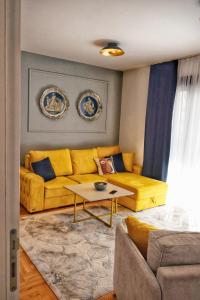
78,166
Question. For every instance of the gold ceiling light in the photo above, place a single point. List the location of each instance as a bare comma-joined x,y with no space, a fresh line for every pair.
112,49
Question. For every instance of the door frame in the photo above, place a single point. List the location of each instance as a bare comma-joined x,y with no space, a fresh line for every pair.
10,75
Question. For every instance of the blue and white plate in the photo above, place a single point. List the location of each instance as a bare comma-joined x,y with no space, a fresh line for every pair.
89,105
54,103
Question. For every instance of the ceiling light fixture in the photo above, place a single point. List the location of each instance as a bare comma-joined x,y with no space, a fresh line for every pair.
112,49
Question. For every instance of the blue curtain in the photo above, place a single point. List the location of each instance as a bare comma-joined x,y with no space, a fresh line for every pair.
161,94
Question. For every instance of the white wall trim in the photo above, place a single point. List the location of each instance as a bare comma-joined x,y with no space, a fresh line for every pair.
9,135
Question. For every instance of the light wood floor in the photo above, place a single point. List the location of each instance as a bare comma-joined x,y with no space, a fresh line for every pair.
32,284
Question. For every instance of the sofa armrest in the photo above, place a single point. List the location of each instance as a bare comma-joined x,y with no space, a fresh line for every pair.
133,279
31,190
179,282
137,169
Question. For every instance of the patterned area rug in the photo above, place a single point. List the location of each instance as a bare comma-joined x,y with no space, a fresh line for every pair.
76,260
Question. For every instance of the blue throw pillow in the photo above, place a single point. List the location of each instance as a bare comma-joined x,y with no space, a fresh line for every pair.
44,169
118,163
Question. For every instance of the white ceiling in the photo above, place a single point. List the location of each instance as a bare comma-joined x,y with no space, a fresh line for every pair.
148,31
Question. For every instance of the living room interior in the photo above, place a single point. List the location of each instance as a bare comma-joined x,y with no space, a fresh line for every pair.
110,150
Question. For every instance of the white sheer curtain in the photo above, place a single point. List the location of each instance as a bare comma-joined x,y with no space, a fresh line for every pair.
184,162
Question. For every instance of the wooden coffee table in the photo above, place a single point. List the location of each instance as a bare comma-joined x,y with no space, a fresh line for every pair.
88,192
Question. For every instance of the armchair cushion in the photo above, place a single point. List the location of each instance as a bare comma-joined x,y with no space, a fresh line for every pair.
139,233
172,248
44,169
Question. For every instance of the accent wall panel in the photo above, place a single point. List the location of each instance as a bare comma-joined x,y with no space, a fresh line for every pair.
39,132
73,86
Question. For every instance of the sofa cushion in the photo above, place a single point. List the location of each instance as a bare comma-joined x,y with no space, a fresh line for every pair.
143,187
118,162
128,159
60,160
105,165
139,233
108,151
171,248
87,178
55,187
44,169
83,161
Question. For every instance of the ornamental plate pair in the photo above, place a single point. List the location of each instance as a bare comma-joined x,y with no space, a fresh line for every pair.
54,104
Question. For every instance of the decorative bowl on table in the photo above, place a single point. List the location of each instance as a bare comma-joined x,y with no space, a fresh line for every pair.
100,186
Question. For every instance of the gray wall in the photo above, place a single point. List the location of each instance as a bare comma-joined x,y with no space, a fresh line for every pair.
39,132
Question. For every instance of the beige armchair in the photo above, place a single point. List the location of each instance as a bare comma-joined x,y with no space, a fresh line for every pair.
171,272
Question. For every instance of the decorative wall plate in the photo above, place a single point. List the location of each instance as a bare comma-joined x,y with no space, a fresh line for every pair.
53,103
89,105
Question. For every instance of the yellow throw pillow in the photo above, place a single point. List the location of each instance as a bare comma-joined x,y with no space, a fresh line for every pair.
108,151
83,161
139,233
128,159
60,160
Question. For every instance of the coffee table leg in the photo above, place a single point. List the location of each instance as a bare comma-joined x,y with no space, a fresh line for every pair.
111,212
75,209
84,203
116,204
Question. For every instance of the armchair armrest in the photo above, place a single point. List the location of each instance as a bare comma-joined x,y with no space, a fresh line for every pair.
179,282
137,169
31,190
133,279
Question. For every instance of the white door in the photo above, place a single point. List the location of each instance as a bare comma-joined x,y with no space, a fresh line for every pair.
9,146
